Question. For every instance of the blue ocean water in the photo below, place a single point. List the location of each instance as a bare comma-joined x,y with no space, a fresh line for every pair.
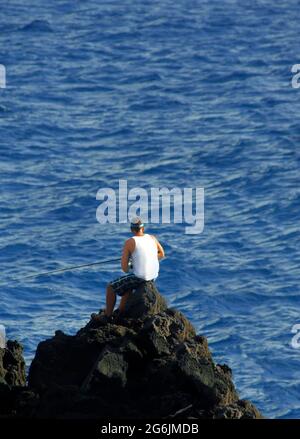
160,93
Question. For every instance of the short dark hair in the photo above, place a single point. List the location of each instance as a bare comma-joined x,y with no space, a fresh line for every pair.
136,224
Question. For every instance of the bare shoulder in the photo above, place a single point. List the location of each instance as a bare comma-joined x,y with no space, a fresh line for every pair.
154,237
129,243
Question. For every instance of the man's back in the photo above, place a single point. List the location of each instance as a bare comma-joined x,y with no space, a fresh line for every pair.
145,258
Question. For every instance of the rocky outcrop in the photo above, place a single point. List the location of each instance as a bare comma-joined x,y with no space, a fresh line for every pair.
149,363
12,377
12,365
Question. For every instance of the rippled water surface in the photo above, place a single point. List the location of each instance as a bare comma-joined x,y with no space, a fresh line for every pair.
160,93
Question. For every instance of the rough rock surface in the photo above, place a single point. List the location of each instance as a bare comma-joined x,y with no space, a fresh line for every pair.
148,363
12,365
12,376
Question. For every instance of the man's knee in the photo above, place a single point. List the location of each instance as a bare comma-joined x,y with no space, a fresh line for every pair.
109,288
126,294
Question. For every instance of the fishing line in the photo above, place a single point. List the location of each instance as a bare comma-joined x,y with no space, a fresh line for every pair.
59,270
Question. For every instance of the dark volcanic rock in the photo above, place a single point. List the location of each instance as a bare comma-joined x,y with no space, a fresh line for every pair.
238,410
12,365
148,363
12,377
146,301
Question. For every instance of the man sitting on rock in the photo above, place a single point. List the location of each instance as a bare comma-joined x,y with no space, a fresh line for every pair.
141,254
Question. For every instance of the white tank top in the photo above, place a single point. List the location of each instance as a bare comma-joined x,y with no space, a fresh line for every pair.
144,258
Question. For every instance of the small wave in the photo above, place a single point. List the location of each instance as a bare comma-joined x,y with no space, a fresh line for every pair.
162,103
37,26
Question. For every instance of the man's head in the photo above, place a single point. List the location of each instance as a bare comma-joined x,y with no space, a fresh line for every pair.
137,225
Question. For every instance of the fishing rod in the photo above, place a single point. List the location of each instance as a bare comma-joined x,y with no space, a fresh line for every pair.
74,267
60,270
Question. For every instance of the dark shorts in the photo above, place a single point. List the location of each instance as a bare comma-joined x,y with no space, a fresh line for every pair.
126,283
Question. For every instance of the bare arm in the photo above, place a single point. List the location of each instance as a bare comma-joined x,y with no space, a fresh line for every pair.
160,249
127,251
